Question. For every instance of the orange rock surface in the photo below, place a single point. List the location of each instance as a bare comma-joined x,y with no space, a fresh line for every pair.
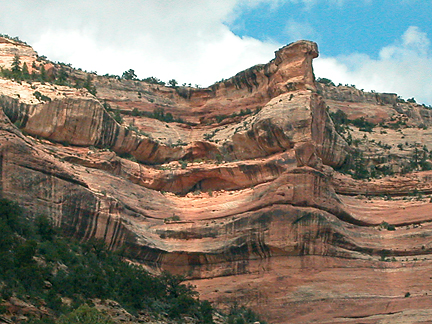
243,194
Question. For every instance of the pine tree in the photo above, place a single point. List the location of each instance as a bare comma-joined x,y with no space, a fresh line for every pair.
43,75
173,83
16,68
25,72
129,75
62,76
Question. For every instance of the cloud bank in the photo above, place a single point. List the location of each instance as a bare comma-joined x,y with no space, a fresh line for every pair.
164,38
193,43
404,67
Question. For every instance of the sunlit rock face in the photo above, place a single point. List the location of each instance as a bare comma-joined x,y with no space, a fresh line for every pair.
240,193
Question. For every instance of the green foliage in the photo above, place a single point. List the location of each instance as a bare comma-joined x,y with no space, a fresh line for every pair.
418,161
129,75
42,75
206,311
174,218
158,113
135,112
340,120
183,164
325,81
25,252
88,84
16,38
387,226
25,72
107,106
44,228
356,165
360,167
154,80
248,111
85,315
5,73
41,97
62,77
16,66
242,315
117,116
172,83
81,272
10,214
363,124
128,156
16,72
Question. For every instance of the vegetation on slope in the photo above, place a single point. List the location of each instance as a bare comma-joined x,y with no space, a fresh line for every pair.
42,267
362,166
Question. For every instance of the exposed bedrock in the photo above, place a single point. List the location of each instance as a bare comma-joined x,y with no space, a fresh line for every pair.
241,184
401,185
283,123
261,168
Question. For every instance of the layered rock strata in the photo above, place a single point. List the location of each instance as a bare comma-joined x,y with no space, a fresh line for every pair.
250,198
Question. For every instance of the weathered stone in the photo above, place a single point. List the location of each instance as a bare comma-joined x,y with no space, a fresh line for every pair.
248,204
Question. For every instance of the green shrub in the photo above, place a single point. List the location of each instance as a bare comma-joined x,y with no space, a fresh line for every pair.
85,315
325,81
183,164
340,120
242,315
117,116
129,75
88,84
82,272
387,226
135,112
154,80
41,97
363,124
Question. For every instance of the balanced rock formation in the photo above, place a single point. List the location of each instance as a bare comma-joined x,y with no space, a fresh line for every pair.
245,187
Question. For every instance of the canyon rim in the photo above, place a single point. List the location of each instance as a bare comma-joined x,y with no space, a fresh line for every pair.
307,201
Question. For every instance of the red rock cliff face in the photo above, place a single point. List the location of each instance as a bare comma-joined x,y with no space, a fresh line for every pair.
248,204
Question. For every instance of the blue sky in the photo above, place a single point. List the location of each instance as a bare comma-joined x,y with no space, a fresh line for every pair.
377,45
340,27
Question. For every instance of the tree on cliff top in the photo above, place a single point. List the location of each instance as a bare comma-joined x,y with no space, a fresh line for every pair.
129,75
325,81
173,83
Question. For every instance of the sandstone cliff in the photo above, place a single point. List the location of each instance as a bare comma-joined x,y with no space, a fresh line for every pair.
239,189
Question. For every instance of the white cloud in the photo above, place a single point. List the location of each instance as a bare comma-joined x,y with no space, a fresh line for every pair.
413,43
190,41
181,39
404,67
168,39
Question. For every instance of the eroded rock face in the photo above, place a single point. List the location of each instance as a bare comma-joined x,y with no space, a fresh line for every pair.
9,48
242,188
